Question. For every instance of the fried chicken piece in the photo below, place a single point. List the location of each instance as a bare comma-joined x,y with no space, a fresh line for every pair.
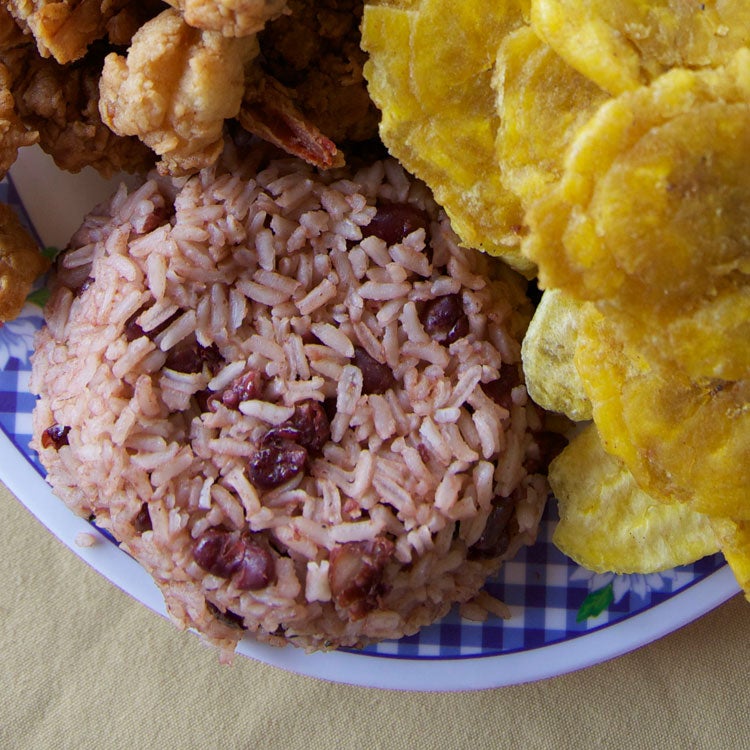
20,263
314,50
62,104
64,29
175,89
268,112
229,17
13,133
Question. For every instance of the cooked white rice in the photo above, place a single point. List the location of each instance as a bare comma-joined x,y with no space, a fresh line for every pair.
192,319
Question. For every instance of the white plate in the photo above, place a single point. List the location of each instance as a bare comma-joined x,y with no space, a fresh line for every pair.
563,617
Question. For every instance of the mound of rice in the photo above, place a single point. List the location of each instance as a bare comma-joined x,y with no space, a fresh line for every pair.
293,398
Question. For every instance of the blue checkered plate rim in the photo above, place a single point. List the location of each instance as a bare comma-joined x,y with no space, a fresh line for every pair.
563,617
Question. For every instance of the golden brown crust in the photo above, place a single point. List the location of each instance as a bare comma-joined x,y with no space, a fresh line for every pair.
64,29
61,103
175,89
20,263
229,17
13,133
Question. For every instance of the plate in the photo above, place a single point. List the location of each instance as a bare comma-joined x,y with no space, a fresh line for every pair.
563,617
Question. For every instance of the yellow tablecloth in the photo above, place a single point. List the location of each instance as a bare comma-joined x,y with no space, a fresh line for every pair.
85,666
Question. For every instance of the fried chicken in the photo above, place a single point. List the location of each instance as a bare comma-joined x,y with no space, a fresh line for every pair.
13,133
57,104
64,29
61,103
175,89
20,263
229,17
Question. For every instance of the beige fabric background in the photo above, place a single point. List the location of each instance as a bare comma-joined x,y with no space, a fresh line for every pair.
85,666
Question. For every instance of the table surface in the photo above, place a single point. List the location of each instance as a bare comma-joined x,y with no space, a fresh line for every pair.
85,666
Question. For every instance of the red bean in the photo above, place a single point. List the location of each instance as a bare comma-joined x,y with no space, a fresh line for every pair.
212,357
142,521
329,408
190,358
184,359
133,330
160,215
496,536
55,436
206,400
376,376
444,319
356,574
256,570
309,427
395,221
276,462
219,552
247,386
500,390
228,555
